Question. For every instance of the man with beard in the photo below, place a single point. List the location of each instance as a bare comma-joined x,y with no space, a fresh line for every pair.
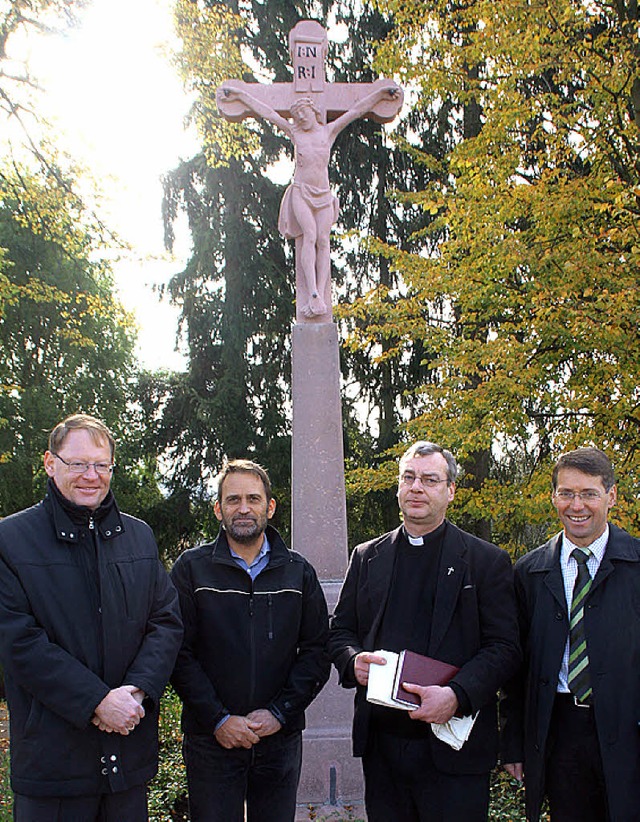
254,656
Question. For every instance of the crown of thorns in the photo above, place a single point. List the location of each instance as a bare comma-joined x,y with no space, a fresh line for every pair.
306,102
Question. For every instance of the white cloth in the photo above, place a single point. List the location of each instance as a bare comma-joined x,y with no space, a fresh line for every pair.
456,731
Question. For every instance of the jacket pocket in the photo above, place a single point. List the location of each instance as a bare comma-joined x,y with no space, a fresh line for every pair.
34,719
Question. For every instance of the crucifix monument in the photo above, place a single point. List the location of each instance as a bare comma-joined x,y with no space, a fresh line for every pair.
319,111
312,112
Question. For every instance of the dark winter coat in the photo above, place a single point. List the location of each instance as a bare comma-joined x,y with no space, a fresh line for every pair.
612,622
473,626
83,610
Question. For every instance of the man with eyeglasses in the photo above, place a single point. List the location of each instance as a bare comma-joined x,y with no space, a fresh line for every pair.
432,588
89,631
573,715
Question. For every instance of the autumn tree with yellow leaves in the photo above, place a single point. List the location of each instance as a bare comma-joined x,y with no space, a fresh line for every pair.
524,293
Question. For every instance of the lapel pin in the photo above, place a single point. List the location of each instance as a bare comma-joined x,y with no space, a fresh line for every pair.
450,571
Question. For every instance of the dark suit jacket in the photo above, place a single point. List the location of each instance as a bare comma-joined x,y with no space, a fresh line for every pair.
612,622
474,626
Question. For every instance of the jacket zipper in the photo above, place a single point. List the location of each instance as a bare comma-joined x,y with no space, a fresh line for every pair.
94,540
252,651
270,615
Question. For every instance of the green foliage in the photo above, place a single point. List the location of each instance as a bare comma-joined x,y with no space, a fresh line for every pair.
321,814
211,34
236,293
66,344
19,17
506,798
6,794
21,23
236,301
506,803
368,162
167,791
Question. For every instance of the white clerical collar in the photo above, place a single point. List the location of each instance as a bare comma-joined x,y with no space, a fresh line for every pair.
427,539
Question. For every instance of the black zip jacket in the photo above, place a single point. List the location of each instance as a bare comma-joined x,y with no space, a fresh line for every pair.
249,644
85,606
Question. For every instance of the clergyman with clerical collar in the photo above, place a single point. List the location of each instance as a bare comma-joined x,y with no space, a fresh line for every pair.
432,588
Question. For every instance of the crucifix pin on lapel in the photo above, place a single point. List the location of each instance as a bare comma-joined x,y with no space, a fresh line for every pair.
450,571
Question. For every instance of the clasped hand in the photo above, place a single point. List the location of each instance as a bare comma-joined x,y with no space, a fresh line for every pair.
120,711
246,731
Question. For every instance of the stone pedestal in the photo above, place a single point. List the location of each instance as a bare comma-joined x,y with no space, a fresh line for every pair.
319,508
331,777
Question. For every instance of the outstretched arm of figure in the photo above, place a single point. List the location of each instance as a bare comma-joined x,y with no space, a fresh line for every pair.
387,92
259,108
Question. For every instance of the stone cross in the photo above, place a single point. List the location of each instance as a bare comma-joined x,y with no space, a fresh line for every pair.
319,111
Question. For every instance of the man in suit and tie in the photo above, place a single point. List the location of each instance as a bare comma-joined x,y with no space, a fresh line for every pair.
573,714
432,588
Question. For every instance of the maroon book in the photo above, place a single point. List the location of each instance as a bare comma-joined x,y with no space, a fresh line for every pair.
420,670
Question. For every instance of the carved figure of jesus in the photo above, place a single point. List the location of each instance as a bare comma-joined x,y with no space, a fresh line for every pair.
308,208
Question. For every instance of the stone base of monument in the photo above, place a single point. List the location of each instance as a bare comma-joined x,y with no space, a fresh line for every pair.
318,501
331,783
331,777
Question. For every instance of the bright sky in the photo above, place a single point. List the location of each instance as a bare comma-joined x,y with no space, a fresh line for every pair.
110,88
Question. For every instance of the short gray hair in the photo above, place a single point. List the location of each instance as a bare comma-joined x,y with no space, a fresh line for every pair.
423,448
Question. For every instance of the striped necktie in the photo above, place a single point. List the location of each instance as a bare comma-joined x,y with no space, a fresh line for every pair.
579,678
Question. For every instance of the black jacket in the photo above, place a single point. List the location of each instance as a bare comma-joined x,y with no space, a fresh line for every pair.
612,623
82,611
249,645
473,626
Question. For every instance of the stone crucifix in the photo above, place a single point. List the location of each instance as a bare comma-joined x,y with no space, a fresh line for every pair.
311,112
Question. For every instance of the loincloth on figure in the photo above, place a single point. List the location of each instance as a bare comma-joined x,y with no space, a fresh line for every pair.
316,198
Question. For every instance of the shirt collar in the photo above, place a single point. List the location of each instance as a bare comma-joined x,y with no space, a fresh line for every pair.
596,548
264,550
430,538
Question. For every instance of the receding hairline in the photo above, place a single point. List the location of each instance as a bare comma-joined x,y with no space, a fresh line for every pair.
243,466
96,429
425,448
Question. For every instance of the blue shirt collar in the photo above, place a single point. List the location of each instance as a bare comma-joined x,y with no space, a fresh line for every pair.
258,564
